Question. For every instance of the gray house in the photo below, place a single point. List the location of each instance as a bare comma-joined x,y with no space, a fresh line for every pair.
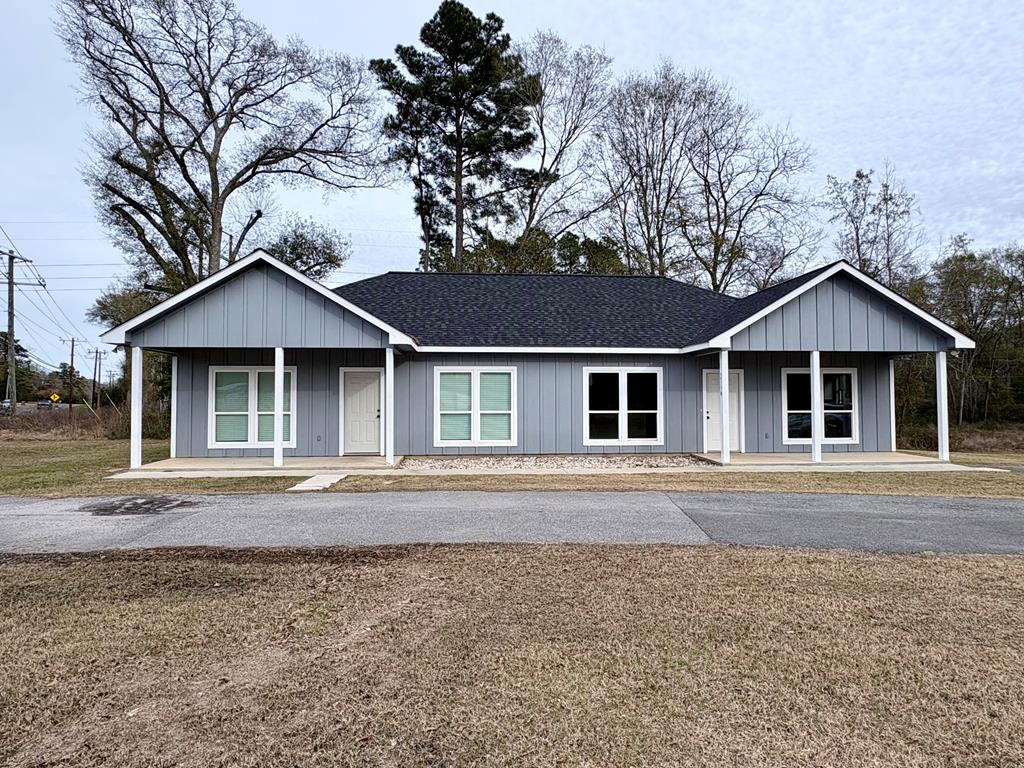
266,362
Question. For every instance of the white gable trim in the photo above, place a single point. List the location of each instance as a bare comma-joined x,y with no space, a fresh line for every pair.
117,335
724,339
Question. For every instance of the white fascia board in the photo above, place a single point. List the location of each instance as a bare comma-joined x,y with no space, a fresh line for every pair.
724,340
117,335
559,350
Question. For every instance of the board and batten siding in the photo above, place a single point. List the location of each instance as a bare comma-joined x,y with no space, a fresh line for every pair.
260,307
840,315
550,399
316,399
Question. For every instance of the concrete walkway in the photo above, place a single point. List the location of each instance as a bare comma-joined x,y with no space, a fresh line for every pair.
875,523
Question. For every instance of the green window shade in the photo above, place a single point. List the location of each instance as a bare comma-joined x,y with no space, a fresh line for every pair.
495,393
232,428
231,391
265,427
455,394
265,391
495,426
455,426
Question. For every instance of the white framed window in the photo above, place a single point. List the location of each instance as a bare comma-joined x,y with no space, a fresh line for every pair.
240,407
623,406
475,406
841,401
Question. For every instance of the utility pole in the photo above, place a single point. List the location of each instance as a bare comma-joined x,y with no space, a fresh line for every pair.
97,380
71,377
12,346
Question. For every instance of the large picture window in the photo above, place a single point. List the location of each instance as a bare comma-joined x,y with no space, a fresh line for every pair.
474,406
241,407
623,406
839,402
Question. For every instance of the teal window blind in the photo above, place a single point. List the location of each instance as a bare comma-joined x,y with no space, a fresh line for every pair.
456,403
231,406
495,406
265,406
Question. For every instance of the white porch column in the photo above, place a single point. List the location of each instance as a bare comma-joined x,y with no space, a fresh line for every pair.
817,407
279,407
174,406
942,405
135,407
723,408
389,405
892,404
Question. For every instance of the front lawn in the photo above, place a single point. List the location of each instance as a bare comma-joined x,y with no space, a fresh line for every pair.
55,467
59,467
511,655
993,485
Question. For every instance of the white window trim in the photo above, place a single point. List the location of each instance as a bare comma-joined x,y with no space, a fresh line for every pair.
252,442
474,407
623,413
855,415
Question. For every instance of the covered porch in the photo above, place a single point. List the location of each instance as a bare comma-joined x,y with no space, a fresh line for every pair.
875,461
810,409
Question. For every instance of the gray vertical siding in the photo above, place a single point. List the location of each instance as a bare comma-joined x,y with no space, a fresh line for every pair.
549,399
549,402
840,315
316,402
258,308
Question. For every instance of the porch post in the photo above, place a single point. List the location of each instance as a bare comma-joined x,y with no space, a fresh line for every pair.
942,405
174,406
817,407
723,408
135,424
279,406
389,405
892,404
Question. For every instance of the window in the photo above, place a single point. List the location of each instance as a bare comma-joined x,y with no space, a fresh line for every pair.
623,406
242,407
839,396
474,406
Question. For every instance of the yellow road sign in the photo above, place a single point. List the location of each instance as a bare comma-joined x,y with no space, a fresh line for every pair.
55,397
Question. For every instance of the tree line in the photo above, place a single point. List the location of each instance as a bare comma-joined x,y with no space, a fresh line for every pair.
522,155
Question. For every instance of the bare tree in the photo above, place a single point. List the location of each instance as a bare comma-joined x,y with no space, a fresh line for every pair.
573,87
741,211
204,110
644,164
878,231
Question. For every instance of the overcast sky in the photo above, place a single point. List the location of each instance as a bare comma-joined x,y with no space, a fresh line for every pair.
936,88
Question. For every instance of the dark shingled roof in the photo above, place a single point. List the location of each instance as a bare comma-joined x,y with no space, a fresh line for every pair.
542,310
743,308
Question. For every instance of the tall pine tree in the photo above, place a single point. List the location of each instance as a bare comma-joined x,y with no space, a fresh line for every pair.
460,120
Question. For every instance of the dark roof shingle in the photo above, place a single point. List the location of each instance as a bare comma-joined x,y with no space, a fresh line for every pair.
539,310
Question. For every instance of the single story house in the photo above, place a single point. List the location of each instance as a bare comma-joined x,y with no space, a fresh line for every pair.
267,362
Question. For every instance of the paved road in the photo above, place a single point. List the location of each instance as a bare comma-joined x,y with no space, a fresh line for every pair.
876,523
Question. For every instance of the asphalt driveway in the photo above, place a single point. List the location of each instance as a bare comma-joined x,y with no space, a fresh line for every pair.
874,523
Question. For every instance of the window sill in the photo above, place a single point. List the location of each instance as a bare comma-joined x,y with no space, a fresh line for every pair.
825,441
598,443
472,444
219,446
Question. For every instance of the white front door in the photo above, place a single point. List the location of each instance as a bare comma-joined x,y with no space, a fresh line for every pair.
713,412
361,421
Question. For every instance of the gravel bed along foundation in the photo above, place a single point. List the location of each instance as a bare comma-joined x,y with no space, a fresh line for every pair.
542,462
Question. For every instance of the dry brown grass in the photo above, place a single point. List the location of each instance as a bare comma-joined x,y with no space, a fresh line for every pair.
992,485
56,466
489,655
